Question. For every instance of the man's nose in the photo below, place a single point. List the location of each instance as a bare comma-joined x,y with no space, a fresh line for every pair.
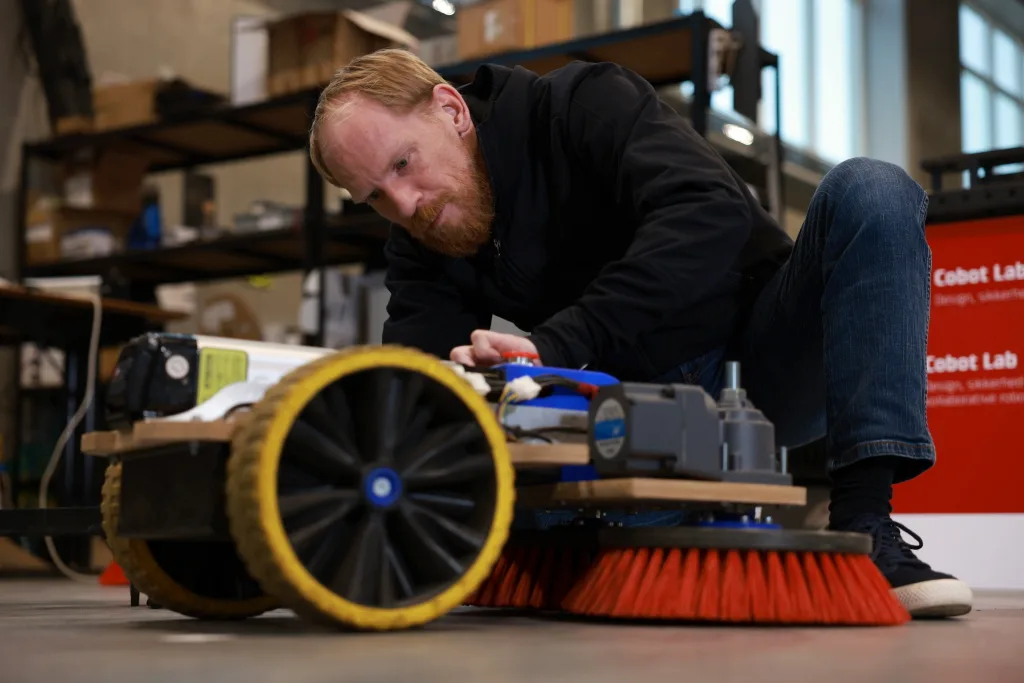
406,199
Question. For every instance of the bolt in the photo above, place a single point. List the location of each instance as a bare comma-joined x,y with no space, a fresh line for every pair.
381,487
732,375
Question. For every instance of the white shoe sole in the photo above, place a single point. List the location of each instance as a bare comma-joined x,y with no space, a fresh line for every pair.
936,599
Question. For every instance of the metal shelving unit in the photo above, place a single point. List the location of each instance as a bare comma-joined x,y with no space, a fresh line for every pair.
667,52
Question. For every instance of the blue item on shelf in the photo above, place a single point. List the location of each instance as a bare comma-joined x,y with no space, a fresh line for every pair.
146,232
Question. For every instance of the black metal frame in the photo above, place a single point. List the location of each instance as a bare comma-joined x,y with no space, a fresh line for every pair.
989,195
362,234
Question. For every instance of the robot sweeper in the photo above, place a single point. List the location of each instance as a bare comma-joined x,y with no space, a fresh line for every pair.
380,488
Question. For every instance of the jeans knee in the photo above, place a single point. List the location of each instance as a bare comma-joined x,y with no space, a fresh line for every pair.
863,195
870,186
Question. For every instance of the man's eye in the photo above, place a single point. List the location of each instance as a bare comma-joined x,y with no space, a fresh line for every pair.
402,164
373,196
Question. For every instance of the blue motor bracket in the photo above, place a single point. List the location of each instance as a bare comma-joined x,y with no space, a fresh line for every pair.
561,398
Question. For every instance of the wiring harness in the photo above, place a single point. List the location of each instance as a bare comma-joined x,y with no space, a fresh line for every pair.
527,388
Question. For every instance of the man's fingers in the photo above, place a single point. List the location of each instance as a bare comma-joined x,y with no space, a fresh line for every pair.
483,348
462,355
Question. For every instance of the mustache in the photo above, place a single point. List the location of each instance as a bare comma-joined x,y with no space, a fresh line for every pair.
425,215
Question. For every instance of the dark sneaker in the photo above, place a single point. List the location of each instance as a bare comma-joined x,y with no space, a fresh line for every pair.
923,591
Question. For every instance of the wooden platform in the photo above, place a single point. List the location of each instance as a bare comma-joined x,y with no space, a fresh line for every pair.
667,492
525,457
147,434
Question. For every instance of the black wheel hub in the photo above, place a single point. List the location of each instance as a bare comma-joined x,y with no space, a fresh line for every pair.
386,487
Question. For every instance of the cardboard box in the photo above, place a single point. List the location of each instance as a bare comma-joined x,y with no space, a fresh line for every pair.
142,102
305,50
495,26
111,180
46,228
73,125
122,105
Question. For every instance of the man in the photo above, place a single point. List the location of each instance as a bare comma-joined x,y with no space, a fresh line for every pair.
582,208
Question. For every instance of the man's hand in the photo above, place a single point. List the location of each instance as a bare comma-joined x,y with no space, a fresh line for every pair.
487,348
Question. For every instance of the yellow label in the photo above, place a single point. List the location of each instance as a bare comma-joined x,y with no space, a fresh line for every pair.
260,281
219,368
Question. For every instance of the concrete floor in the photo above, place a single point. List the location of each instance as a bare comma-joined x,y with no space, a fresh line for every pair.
57,631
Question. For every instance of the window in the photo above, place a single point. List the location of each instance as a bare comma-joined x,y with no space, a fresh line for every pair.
818,43
991,84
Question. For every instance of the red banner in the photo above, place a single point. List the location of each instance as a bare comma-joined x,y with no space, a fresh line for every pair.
975,371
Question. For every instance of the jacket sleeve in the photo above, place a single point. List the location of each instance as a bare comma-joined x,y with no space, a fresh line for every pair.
425,310
692,217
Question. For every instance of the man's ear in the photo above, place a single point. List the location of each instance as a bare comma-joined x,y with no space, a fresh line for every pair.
449,100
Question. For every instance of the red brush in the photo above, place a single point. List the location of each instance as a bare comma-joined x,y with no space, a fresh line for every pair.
736,575
536,570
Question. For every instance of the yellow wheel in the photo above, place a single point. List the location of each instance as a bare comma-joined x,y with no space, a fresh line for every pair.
371,488
200,579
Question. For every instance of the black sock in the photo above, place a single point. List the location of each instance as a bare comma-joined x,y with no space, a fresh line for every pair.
864,487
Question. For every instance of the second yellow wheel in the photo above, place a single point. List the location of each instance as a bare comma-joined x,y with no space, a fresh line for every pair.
371,488
200,579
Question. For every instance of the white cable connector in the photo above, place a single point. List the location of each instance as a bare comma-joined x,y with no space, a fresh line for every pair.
524,388
475,379
479,383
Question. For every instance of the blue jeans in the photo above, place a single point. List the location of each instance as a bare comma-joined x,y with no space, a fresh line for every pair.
835,346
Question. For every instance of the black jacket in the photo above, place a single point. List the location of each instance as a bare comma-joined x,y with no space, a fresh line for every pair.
622,241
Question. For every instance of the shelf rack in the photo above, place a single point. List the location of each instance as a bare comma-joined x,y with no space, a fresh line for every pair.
665,53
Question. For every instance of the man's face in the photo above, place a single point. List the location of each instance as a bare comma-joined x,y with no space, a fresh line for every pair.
419,170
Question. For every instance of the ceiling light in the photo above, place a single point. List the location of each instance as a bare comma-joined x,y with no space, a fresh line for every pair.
444,7
738,133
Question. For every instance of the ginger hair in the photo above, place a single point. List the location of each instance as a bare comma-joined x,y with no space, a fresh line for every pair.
393,77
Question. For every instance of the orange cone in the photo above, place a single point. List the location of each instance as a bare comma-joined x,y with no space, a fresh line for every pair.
113,575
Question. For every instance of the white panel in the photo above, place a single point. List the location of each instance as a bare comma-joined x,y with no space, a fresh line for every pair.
1007,132
1006,58
834,78
985,551
974,40
249,45
975,114
785,31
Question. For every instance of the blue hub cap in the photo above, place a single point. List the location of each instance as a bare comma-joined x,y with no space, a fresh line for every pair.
382,487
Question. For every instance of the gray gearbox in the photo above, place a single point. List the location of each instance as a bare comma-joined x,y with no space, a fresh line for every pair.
680,430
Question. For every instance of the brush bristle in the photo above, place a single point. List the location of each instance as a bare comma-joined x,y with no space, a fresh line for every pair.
531,577
736,586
